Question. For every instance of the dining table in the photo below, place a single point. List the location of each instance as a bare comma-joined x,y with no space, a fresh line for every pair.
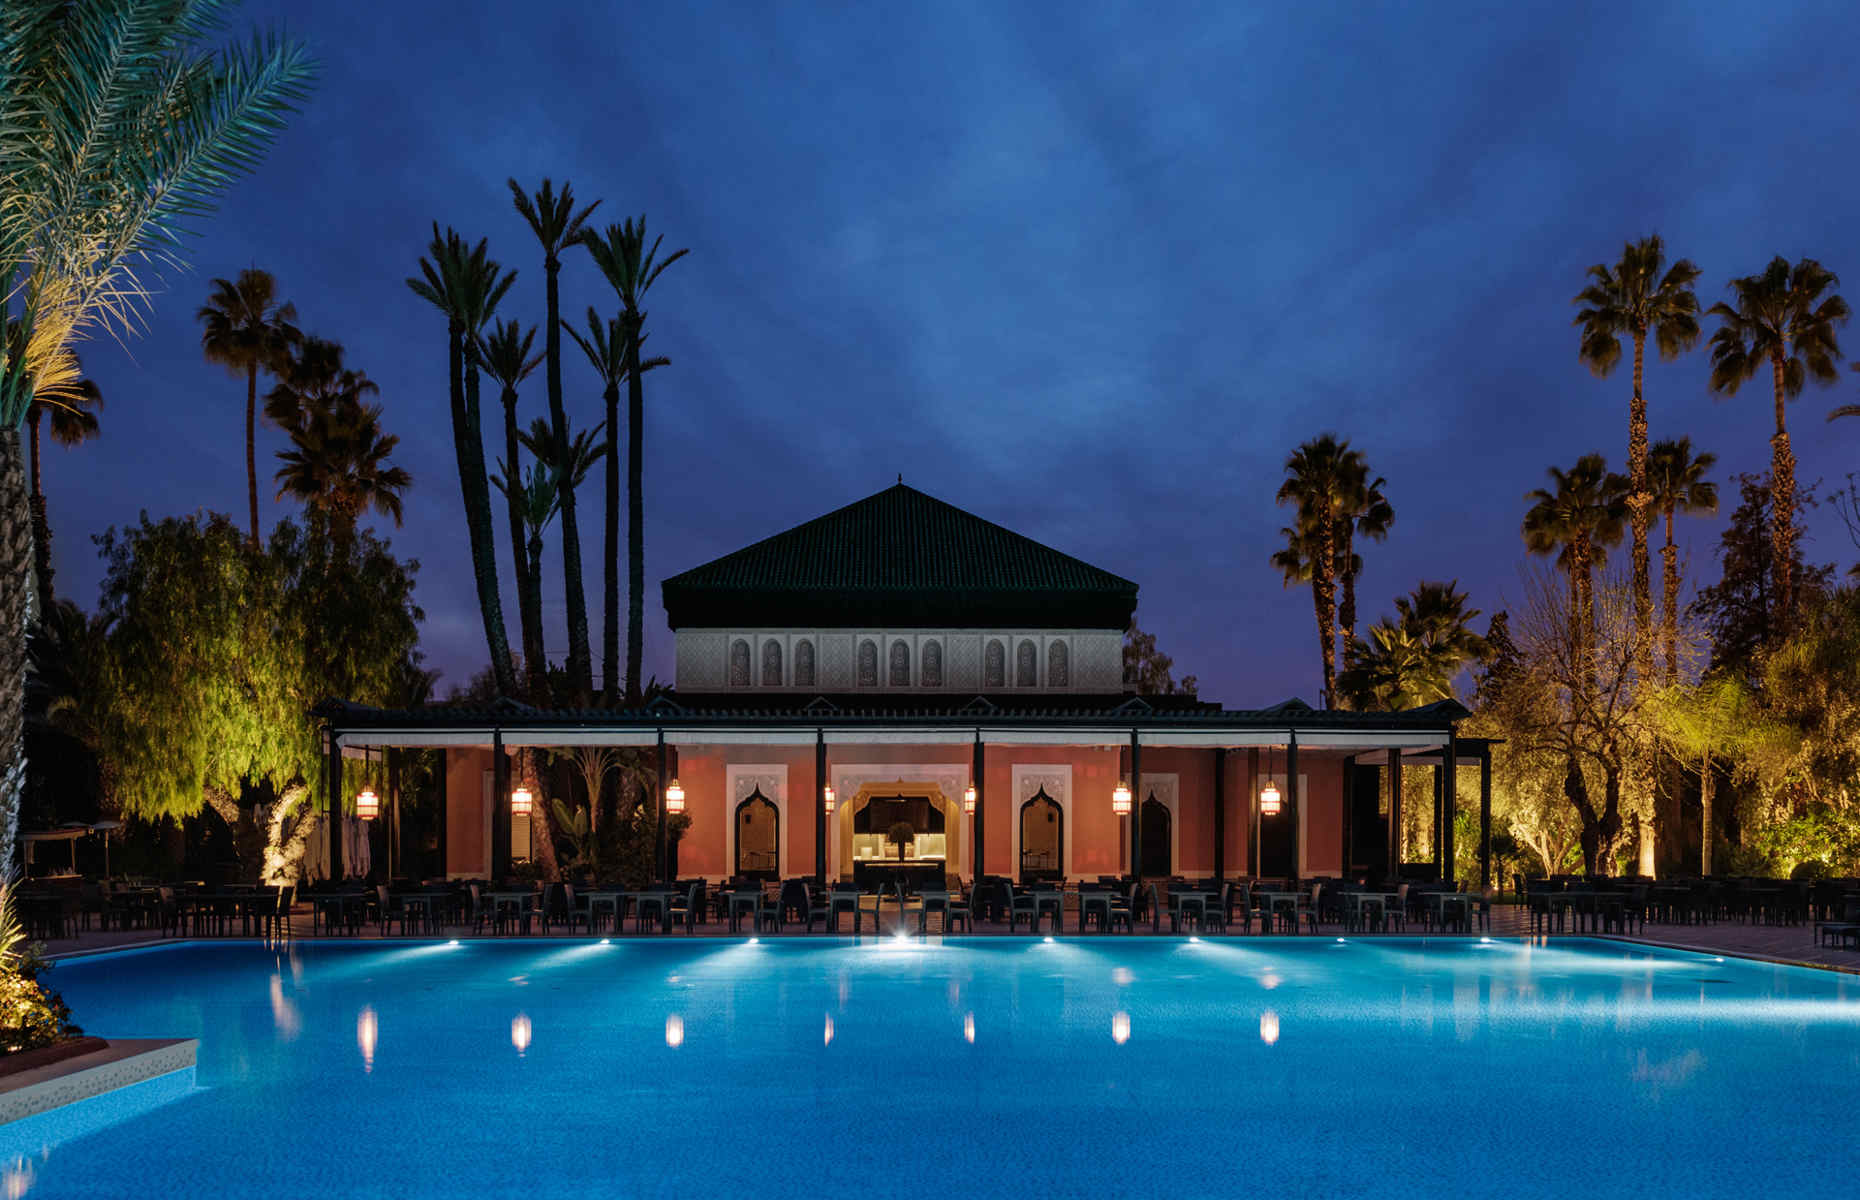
512,904
1272,903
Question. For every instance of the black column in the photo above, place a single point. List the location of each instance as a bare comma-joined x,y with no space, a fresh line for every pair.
393,820
1394,753
820,808
1485,817
1449,800
1252,808
1220,813
500,807
659,858
1136,807
333,783
978,772
1292,791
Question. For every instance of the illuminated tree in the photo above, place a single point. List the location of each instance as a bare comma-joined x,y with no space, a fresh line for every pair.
1785,319
123,123
1638,296
1577,519
632,267
1676,483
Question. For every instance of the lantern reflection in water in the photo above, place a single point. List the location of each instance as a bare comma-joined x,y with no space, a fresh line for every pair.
968,1028
1120,1027
520,1033
367,1033
826,1039
1269,1027
674,1031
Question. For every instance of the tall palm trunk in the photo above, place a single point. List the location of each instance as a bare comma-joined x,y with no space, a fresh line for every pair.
41,524
1705,828
1324,600
251,446
610,566
1669,602
635,511
1639,500
1782,510
16,605
529,598
468,442
580,668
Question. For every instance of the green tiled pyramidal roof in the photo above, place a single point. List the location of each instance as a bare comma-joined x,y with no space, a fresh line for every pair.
899,558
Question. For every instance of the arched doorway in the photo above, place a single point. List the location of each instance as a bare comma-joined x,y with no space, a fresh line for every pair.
1042,838
1158,852
758,837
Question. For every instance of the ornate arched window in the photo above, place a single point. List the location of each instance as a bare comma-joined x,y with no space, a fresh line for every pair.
931,674
900,673
771,663
1058,666
739,663
804,663
994,665
868,663
1026,665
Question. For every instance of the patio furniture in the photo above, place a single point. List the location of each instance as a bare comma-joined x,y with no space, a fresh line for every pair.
1095,903
842,898
686,907
1186,907
745,902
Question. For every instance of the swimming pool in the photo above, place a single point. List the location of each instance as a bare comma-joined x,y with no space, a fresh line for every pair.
988,1067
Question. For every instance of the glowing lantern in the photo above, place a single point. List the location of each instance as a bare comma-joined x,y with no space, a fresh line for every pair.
367,804
827,800
674,799
1120,799
1269,802
968,799
522,801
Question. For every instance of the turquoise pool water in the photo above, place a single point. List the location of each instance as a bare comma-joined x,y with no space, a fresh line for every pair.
991,1067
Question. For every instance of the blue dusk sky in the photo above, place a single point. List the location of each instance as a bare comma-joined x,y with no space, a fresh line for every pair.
1087,270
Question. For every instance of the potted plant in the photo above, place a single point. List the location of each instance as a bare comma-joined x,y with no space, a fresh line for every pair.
902,836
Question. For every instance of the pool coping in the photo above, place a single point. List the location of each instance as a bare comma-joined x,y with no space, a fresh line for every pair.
123,1063
654,939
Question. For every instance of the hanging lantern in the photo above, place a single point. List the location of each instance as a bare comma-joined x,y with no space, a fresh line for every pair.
827,800
674,798
367,804
1269,801
522,801
1120,799
968,799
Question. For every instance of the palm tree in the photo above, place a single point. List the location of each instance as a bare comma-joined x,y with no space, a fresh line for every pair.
1366,511
1638,296
72,415
1411,660
465,284
245,329
606,348
1577,519
1676,480
123,124
338,466
632,267
507,359
551,216
1782,317
1317,483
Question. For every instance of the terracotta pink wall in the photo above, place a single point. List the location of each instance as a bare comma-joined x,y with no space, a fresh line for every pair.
1323,772
466,852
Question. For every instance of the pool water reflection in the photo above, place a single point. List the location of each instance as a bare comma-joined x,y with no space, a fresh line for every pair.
986,1067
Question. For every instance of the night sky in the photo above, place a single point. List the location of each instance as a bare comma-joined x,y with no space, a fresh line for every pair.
1086,270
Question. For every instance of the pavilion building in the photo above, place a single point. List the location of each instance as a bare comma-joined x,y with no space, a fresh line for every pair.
902,687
